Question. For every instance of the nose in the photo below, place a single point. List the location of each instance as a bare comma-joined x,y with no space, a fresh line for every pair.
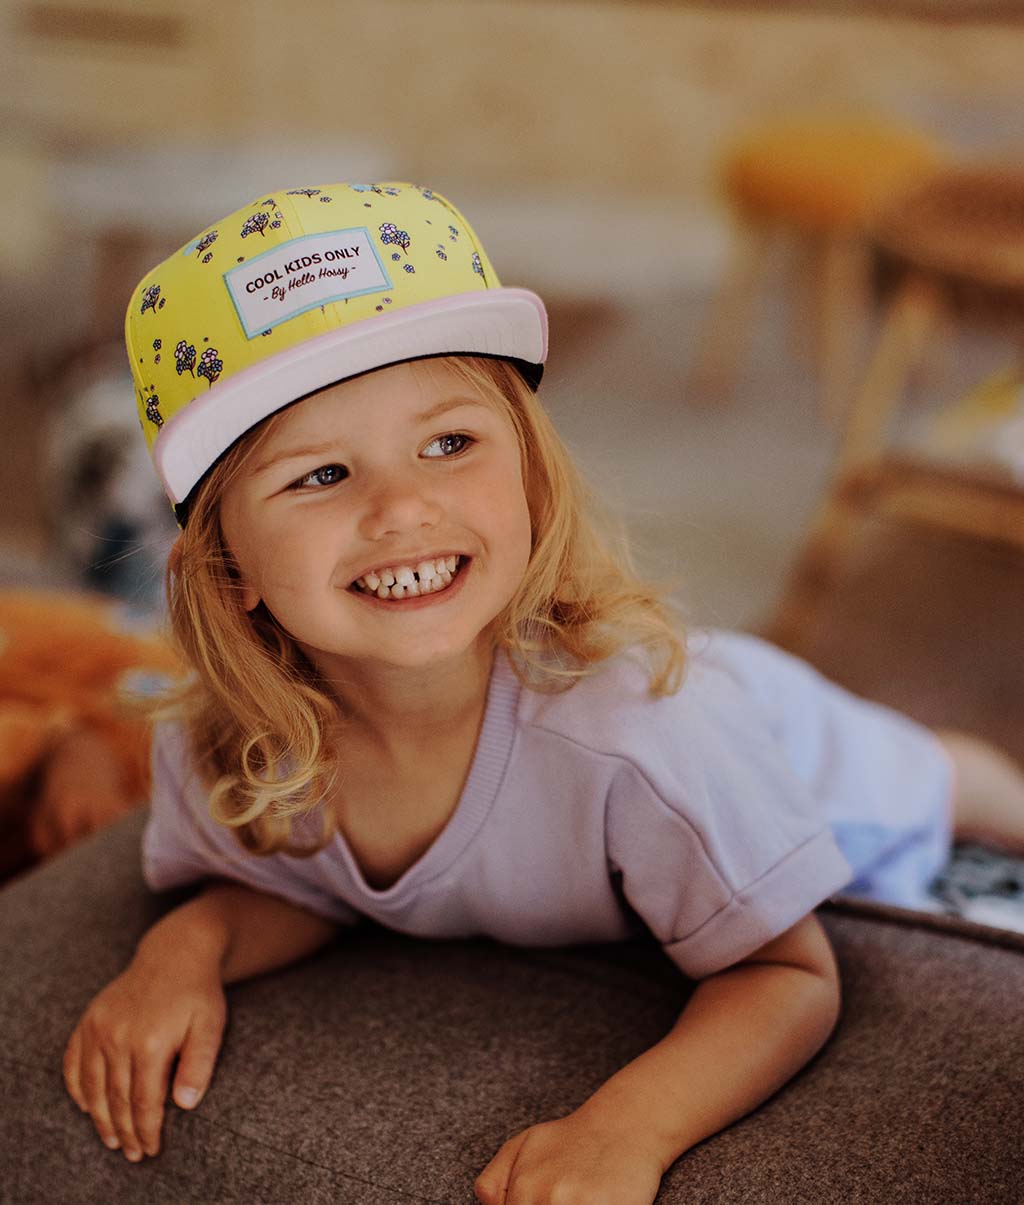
397,506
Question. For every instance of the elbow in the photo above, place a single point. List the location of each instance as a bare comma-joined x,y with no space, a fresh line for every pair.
824,999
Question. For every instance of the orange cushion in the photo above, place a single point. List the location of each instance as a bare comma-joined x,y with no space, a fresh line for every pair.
825,175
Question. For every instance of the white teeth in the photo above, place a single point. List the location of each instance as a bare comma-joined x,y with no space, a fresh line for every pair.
402,582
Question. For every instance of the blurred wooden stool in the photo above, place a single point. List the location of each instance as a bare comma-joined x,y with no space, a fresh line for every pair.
814,184
956,244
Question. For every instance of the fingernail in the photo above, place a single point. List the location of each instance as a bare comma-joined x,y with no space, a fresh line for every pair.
186,1097
112,1142
133,1155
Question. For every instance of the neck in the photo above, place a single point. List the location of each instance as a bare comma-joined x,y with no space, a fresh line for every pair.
401,711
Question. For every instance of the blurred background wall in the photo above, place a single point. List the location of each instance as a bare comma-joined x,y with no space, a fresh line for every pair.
582,138
572,107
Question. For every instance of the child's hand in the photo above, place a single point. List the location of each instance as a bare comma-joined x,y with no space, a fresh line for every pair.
577,1160
118,1060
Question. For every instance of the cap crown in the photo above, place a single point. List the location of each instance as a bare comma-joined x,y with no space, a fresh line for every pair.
292,265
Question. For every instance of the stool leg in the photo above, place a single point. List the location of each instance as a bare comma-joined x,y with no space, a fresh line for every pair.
803,303
718,357
844,307
818,565
910,319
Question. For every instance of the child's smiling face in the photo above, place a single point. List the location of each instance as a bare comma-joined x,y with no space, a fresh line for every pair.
403,465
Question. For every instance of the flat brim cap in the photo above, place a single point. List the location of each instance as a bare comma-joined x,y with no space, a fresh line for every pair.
301,289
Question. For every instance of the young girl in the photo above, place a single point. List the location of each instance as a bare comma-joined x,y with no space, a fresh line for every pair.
425,690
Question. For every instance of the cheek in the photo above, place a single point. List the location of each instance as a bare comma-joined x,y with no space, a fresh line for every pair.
265,558
513,513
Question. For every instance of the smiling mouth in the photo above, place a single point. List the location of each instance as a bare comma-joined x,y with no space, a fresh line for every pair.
429,577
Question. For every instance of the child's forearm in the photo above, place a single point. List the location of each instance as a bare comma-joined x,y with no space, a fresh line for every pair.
242,931
744,1033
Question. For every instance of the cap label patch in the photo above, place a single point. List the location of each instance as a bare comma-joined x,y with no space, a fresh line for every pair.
303,274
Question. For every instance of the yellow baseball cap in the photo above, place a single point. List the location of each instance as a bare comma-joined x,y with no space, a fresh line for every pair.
300,289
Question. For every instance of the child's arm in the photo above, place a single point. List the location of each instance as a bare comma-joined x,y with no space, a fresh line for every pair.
744,1032
170,1002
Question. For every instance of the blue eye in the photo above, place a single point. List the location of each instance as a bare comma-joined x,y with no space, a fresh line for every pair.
452,444
327,474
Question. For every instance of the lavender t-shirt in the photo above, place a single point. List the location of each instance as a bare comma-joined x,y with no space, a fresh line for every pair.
716,817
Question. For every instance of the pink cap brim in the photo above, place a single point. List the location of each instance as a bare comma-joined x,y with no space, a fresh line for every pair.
505,322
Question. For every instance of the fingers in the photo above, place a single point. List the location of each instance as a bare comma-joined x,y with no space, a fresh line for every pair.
124,1095
72,1073
119,1102
118,1060
150,1075
94,1088
197,1060
491,1186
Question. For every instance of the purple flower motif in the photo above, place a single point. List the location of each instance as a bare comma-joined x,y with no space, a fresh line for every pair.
157,358
389,233
157,344
255,224
477,265
440,252
152,411
184,357
207,257
209,365
162,303
206,241
302,192
325,200
149,298
408,268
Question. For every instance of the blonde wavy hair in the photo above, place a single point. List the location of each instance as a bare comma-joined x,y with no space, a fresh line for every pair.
267,731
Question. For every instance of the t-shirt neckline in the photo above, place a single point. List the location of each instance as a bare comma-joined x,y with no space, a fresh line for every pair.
486,771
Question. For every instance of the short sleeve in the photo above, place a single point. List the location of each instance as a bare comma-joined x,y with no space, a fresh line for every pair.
720,846
182,843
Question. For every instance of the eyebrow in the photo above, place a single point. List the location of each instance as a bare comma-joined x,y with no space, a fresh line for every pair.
322,449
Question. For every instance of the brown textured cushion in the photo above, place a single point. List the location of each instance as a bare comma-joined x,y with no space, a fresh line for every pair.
390,1070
